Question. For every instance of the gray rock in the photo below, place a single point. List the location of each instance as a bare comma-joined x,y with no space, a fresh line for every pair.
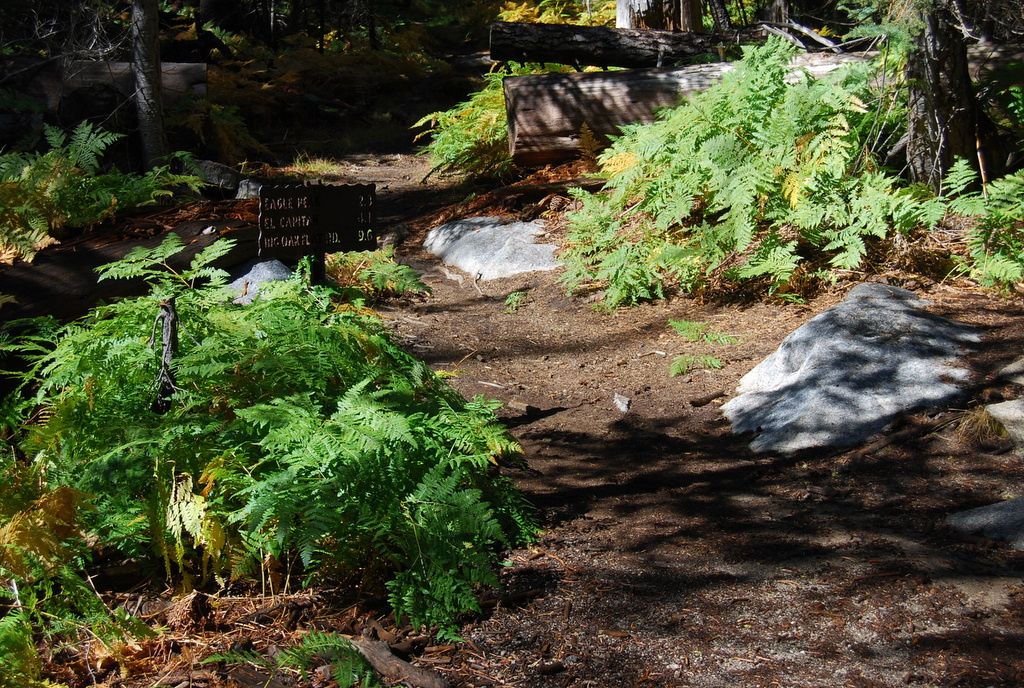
256,273
1003,521
394,234
845,374
1013,372
488,248
248,188
219,175
1010,415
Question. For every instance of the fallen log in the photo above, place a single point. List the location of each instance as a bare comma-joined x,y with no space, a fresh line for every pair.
52,84
546,112
602,46
588,183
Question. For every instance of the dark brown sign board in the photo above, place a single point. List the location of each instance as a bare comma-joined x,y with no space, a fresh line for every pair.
297,220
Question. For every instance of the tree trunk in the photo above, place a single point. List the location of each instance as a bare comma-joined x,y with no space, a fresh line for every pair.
690,15
632,14
167,322
776,11
720,15
943,117
600,46
672,15
146,65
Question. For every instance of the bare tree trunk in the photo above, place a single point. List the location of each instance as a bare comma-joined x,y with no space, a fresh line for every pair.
671,15
167,322
943,116
720,15
633,14
690,14
321,8
776,11
146,64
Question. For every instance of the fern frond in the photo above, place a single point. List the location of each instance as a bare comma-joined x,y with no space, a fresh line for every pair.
87,144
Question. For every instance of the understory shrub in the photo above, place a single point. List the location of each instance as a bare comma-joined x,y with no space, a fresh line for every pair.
471,139
294,435
995,239
747,181
596,13
44,593
43,194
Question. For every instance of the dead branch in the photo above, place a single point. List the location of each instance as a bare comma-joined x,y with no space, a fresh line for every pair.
379,655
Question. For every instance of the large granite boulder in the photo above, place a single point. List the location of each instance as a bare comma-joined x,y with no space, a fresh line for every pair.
845,374
489,248
1002,521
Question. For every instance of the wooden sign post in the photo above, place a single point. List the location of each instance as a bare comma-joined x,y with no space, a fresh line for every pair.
311,219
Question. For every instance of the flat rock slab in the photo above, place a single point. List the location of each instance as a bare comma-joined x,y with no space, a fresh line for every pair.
845,374
1003,521
488,248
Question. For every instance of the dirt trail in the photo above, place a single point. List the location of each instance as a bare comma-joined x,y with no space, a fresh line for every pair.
672,555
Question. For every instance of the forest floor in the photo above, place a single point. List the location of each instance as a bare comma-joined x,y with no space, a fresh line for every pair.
674,556
671,555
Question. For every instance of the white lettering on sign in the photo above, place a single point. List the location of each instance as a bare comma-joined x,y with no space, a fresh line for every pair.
290,203
271,222
287,241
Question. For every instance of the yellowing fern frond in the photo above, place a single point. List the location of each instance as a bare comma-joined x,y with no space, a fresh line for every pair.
619,163
39,533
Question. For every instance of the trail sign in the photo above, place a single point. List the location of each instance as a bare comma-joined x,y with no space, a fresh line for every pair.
297,220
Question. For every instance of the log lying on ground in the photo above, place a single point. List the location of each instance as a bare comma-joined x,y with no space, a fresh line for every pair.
53,83
546,112
601,46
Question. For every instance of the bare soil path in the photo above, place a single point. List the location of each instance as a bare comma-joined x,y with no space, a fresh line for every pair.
672,555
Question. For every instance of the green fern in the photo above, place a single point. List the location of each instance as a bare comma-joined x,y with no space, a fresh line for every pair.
996,239
515,300
85,147
41,549
471,139
298,431
747,181
348,668
681,365
21,662
697,333
694,331
44,195
373,275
